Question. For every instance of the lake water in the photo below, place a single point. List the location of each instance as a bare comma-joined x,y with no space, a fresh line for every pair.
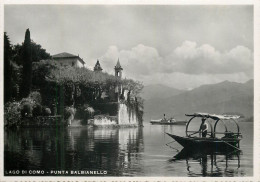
119,152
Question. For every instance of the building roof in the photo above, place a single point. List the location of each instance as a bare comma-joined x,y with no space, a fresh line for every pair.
67,55
118,66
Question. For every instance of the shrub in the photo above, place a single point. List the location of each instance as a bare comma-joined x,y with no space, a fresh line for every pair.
86,112
46,111
26,109
12,113
68,111
37,110
27,104
28,101
36,97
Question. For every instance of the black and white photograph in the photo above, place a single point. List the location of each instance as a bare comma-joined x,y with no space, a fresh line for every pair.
128,90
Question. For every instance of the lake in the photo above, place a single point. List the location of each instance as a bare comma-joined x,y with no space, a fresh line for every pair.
119,152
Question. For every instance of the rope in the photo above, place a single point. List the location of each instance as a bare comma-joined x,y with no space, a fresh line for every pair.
171,146
230,145
170,142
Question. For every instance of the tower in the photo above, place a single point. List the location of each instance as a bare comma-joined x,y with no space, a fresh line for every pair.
97,67
118,69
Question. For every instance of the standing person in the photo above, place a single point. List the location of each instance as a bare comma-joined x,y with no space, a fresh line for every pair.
164,118
204,127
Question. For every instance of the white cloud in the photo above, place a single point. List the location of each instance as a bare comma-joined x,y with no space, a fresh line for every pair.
139,61
193,59
189,65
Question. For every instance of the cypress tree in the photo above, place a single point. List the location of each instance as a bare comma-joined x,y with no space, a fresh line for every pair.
7,69
27,65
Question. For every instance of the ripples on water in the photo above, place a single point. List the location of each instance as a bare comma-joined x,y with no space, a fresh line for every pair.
122,152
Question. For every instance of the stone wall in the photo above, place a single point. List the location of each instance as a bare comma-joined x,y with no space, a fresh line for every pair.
126,116
123,113
104,120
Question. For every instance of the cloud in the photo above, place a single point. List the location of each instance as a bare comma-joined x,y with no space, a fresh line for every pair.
193,59
138,61
188,58
189,64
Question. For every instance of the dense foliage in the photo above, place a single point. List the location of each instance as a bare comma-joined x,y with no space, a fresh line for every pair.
26,107
37,53
13,66
78,84
59,89
7,69
65,86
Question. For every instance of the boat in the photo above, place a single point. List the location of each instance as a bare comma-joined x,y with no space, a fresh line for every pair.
170,121
229,140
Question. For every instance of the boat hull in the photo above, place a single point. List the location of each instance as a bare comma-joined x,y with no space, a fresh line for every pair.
168,123
207,143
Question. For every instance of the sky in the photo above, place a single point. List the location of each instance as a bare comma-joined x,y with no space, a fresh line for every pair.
178,46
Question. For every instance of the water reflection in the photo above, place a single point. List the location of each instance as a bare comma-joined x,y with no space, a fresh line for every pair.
115,150
201,162
121,152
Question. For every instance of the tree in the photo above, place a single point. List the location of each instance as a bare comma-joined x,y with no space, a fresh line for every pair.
27,65
38,53
7,69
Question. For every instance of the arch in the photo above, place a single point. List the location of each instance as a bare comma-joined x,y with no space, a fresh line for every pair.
211,128
238,129
215,126
187,126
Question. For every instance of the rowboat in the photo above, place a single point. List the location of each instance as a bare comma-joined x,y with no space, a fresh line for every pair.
229,140
168,122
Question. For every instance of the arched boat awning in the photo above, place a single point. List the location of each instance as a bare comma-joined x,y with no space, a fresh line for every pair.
214,116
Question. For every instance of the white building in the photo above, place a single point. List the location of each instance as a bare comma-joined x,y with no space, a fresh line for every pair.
67,59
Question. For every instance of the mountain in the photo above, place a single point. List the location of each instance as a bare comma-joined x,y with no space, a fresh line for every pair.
224,97
159,91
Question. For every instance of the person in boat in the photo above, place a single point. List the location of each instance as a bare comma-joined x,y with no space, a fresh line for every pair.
164,118
204,127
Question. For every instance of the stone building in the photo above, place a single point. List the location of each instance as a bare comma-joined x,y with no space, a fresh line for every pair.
122,115
67,59
118,69
98,67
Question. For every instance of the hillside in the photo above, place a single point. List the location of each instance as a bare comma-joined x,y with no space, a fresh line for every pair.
159,91
224,97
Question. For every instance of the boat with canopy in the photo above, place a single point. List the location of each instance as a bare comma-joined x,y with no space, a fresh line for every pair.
229,139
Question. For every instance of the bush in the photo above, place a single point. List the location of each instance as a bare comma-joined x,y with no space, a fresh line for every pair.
12,113
68,112
27,105
26,110
46,111
37,110
36,97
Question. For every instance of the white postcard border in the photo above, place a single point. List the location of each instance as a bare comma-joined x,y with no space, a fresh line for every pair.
256,155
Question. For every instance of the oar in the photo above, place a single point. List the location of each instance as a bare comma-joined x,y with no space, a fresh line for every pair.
194,133
230,145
